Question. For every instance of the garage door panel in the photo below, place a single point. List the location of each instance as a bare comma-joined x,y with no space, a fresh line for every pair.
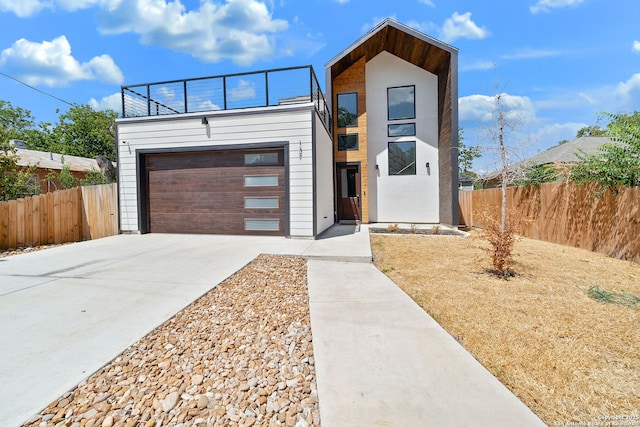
207,223
207,192
208,179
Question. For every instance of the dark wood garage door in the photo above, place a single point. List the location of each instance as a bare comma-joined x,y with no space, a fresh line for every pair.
217,192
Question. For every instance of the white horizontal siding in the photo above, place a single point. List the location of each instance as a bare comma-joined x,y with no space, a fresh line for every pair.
243,127
324,178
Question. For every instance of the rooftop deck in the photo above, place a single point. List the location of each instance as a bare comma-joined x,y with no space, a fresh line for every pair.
283,86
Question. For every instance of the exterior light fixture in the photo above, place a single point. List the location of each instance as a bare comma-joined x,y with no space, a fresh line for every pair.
205,121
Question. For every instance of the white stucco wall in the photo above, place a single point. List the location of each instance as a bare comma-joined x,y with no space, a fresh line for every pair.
407,198
225,128
324,178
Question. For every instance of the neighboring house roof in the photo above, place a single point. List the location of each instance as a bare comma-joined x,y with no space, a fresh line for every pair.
563,153
55,161
568,152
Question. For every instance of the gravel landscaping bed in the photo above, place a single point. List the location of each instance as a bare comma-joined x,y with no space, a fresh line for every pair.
239,356
420,231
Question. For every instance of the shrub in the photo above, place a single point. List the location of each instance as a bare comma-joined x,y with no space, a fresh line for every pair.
502,239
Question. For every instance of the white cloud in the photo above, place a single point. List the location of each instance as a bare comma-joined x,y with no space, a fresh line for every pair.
72,5
614,98
244,90
110,102
427,2
24,8
461,26
547,5
482,107
549,135
478,66
241,30
636,46
51,63
342,1
627,91
529,53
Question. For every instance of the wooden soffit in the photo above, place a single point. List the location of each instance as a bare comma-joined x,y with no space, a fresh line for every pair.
392,38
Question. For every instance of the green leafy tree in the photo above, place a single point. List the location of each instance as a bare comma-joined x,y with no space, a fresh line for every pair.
538,174
94,177
82,131
617,163
466,155
15,121
594,130
15,181
65,177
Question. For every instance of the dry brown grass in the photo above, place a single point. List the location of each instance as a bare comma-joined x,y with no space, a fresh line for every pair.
566,356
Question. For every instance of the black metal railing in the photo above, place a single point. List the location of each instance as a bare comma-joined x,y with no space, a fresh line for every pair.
267,88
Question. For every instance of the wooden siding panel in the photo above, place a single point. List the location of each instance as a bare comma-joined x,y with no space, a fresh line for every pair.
353,79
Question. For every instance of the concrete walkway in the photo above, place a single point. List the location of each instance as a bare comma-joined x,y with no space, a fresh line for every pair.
67,311
382,361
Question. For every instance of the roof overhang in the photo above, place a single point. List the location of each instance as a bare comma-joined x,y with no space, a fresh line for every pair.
404,42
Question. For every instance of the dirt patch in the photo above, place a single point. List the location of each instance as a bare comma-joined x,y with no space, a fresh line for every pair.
566,355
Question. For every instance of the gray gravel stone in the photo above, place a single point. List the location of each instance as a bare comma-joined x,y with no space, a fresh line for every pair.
240,355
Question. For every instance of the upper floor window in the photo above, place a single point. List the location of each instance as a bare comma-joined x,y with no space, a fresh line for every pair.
401,103
403,129
347,109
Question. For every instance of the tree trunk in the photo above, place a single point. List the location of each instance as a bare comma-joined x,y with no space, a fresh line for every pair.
503,163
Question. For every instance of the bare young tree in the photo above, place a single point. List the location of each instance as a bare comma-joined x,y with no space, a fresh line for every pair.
504,123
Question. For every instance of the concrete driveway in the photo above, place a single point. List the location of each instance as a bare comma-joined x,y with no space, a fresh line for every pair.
67,311
380,359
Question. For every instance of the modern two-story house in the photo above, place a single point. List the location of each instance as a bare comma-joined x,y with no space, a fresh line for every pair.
268,153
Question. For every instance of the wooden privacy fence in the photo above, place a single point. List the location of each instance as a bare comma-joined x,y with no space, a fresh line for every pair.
568,214
81,213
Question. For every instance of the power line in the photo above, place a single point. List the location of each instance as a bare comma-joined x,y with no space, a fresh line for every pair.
36,89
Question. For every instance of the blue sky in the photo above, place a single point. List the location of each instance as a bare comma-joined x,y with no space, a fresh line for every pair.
557,62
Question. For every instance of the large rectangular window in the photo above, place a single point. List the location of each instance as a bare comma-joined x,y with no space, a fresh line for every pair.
401,103
402,158
347,109
348,142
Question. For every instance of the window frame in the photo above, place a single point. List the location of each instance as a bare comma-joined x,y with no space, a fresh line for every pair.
401,134
261,163
343,136
255,221
406,167
352,125
261,178
254,198
413,116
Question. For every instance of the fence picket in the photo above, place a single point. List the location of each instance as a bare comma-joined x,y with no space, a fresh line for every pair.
568,214
59,217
